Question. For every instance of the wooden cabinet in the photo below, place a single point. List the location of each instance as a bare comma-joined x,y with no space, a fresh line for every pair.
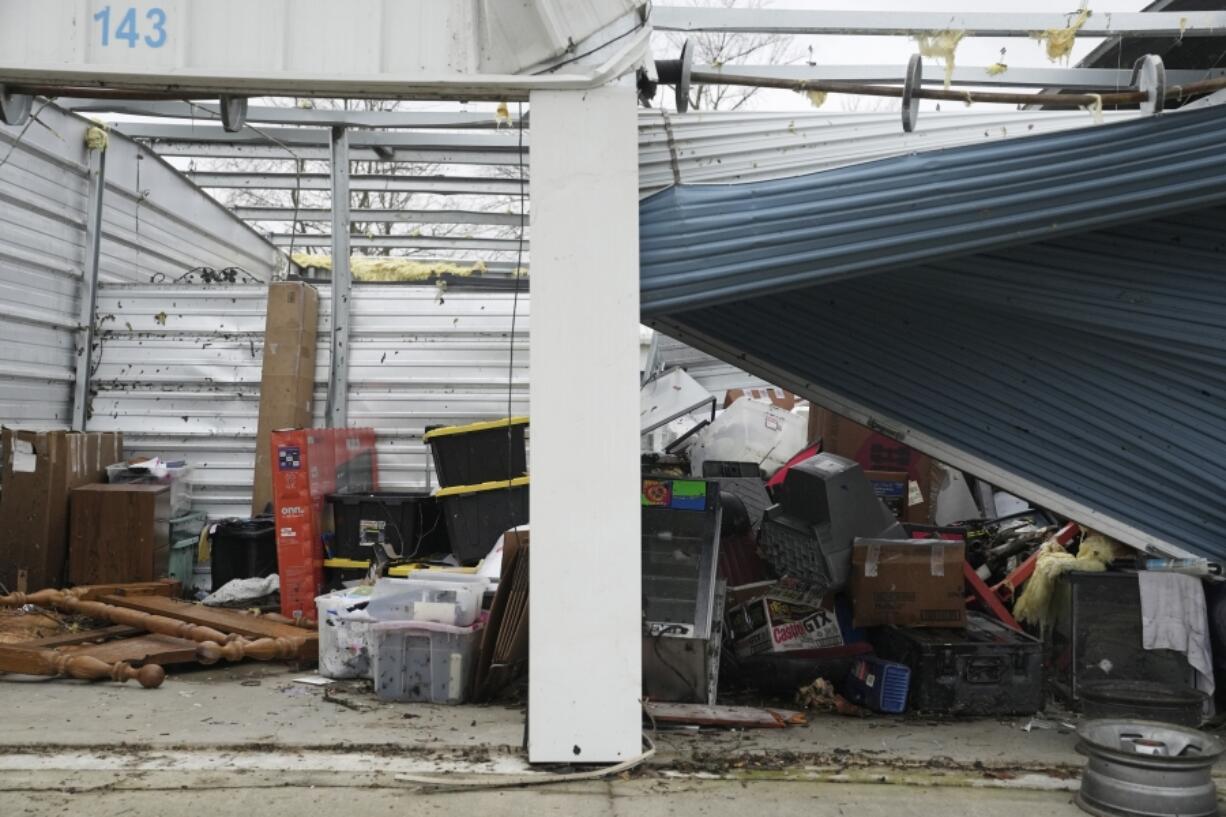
118,533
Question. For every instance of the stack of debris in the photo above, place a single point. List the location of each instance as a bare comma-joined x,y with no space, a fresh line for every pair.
766,568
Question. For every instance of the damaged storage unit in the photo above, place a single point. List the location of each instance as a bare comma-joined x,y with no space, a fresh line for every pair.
763,272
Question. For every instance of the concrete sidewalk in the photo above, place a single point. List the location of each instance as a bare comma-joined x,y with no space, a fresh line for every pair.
290,748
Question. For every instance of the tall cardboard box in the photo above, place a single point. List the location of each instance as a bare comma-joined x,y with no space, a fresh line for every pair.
40,468
120,532
875,451
287,379
309,464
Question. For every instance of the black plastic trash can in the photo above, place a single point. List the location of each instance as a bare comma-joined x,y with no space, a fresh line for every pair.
243,549
480,452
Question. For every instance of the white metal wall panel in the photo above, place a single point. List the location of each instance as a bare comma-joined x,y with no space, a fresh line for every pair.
43,190
155,224
179,374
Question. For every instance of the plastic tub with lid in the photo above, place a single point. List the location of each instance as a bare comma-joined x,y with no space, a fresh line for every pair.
441,598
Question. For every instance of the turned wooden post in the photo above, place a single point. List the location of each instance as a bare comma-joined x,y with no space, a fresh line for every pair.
49,662
214,644
261,649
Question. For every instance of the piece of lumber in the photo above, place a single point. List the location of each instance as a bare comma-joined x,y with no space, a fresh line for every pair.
142,649
82,637
49,662
219,618
737,717
93,592
168,588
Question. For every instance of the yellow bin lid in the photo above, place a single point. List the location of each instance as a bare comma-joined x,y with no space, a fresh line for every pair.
503,484
447,431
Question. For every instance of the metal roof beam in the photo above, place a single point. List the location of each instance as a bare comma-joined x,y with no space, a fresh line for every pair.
489,267
910,23
1088,79
443,185
506,142
221,150
324,214
401,242
274,115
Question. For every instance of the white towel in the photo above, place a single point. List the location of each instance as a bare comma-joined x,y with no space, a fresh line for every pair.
1173,617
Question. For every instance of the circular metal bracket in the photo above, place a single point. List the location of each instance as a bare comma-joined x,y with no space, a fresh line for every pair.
233,113
677,73
682,95
910,101
14,108
1149,75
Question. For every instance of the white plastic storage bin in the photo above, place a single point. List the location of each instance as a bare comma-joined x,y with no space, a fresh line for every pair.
441,598
344,634
424,661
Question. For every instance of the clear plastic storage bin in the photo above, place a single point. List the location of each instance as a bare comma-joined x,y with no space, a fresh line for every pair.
344,634
441,598
424,661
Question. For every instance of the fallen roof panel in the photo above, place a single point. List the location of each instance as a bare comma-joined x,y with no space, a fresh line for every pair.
708,243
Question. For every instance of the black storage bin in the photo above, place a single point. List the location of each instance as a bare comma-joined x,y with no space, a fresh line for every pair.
1096,635
986,669
479,453
243,549
408,521
477,515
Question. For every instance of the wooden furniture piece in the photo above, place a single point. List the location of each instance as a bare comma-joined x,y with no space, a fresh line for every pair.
269,640
118,533
28,661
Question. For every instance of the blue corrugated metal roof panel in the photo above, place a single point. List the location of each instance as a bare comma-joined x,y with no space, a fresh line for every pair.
705,244
1087,372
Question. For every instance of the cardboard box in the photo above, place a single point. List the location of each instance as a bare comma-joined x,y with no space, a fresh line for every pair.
908,582
309,465
891,488
776,397
40,468
877,452
789,617
287,380
120,532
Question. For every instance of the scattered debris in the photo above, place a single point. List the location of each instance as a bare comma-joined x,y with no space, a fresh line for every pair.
820,696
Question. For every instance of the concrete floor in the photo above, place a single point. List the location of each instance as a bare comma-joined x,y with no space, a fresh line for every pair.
67,746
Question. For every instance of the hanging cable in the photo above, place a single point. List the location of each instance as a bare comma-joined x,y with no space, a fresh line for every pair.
518,275
298,171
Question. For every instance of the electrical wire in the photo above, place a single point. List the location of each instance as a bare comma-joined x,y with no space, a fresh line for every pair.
518,274
601,47
299,164
524,781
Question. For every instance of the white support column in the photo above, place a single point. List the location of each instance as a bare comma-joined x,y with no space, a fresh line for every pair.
585,676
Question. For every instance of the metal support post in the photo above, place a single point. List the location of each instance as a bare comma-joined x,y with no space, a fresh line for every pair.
585,607
342,283
89,289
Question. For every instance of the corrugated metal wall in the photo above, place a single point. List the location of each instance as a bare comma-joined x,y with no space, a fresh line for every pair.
155,223
189,386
